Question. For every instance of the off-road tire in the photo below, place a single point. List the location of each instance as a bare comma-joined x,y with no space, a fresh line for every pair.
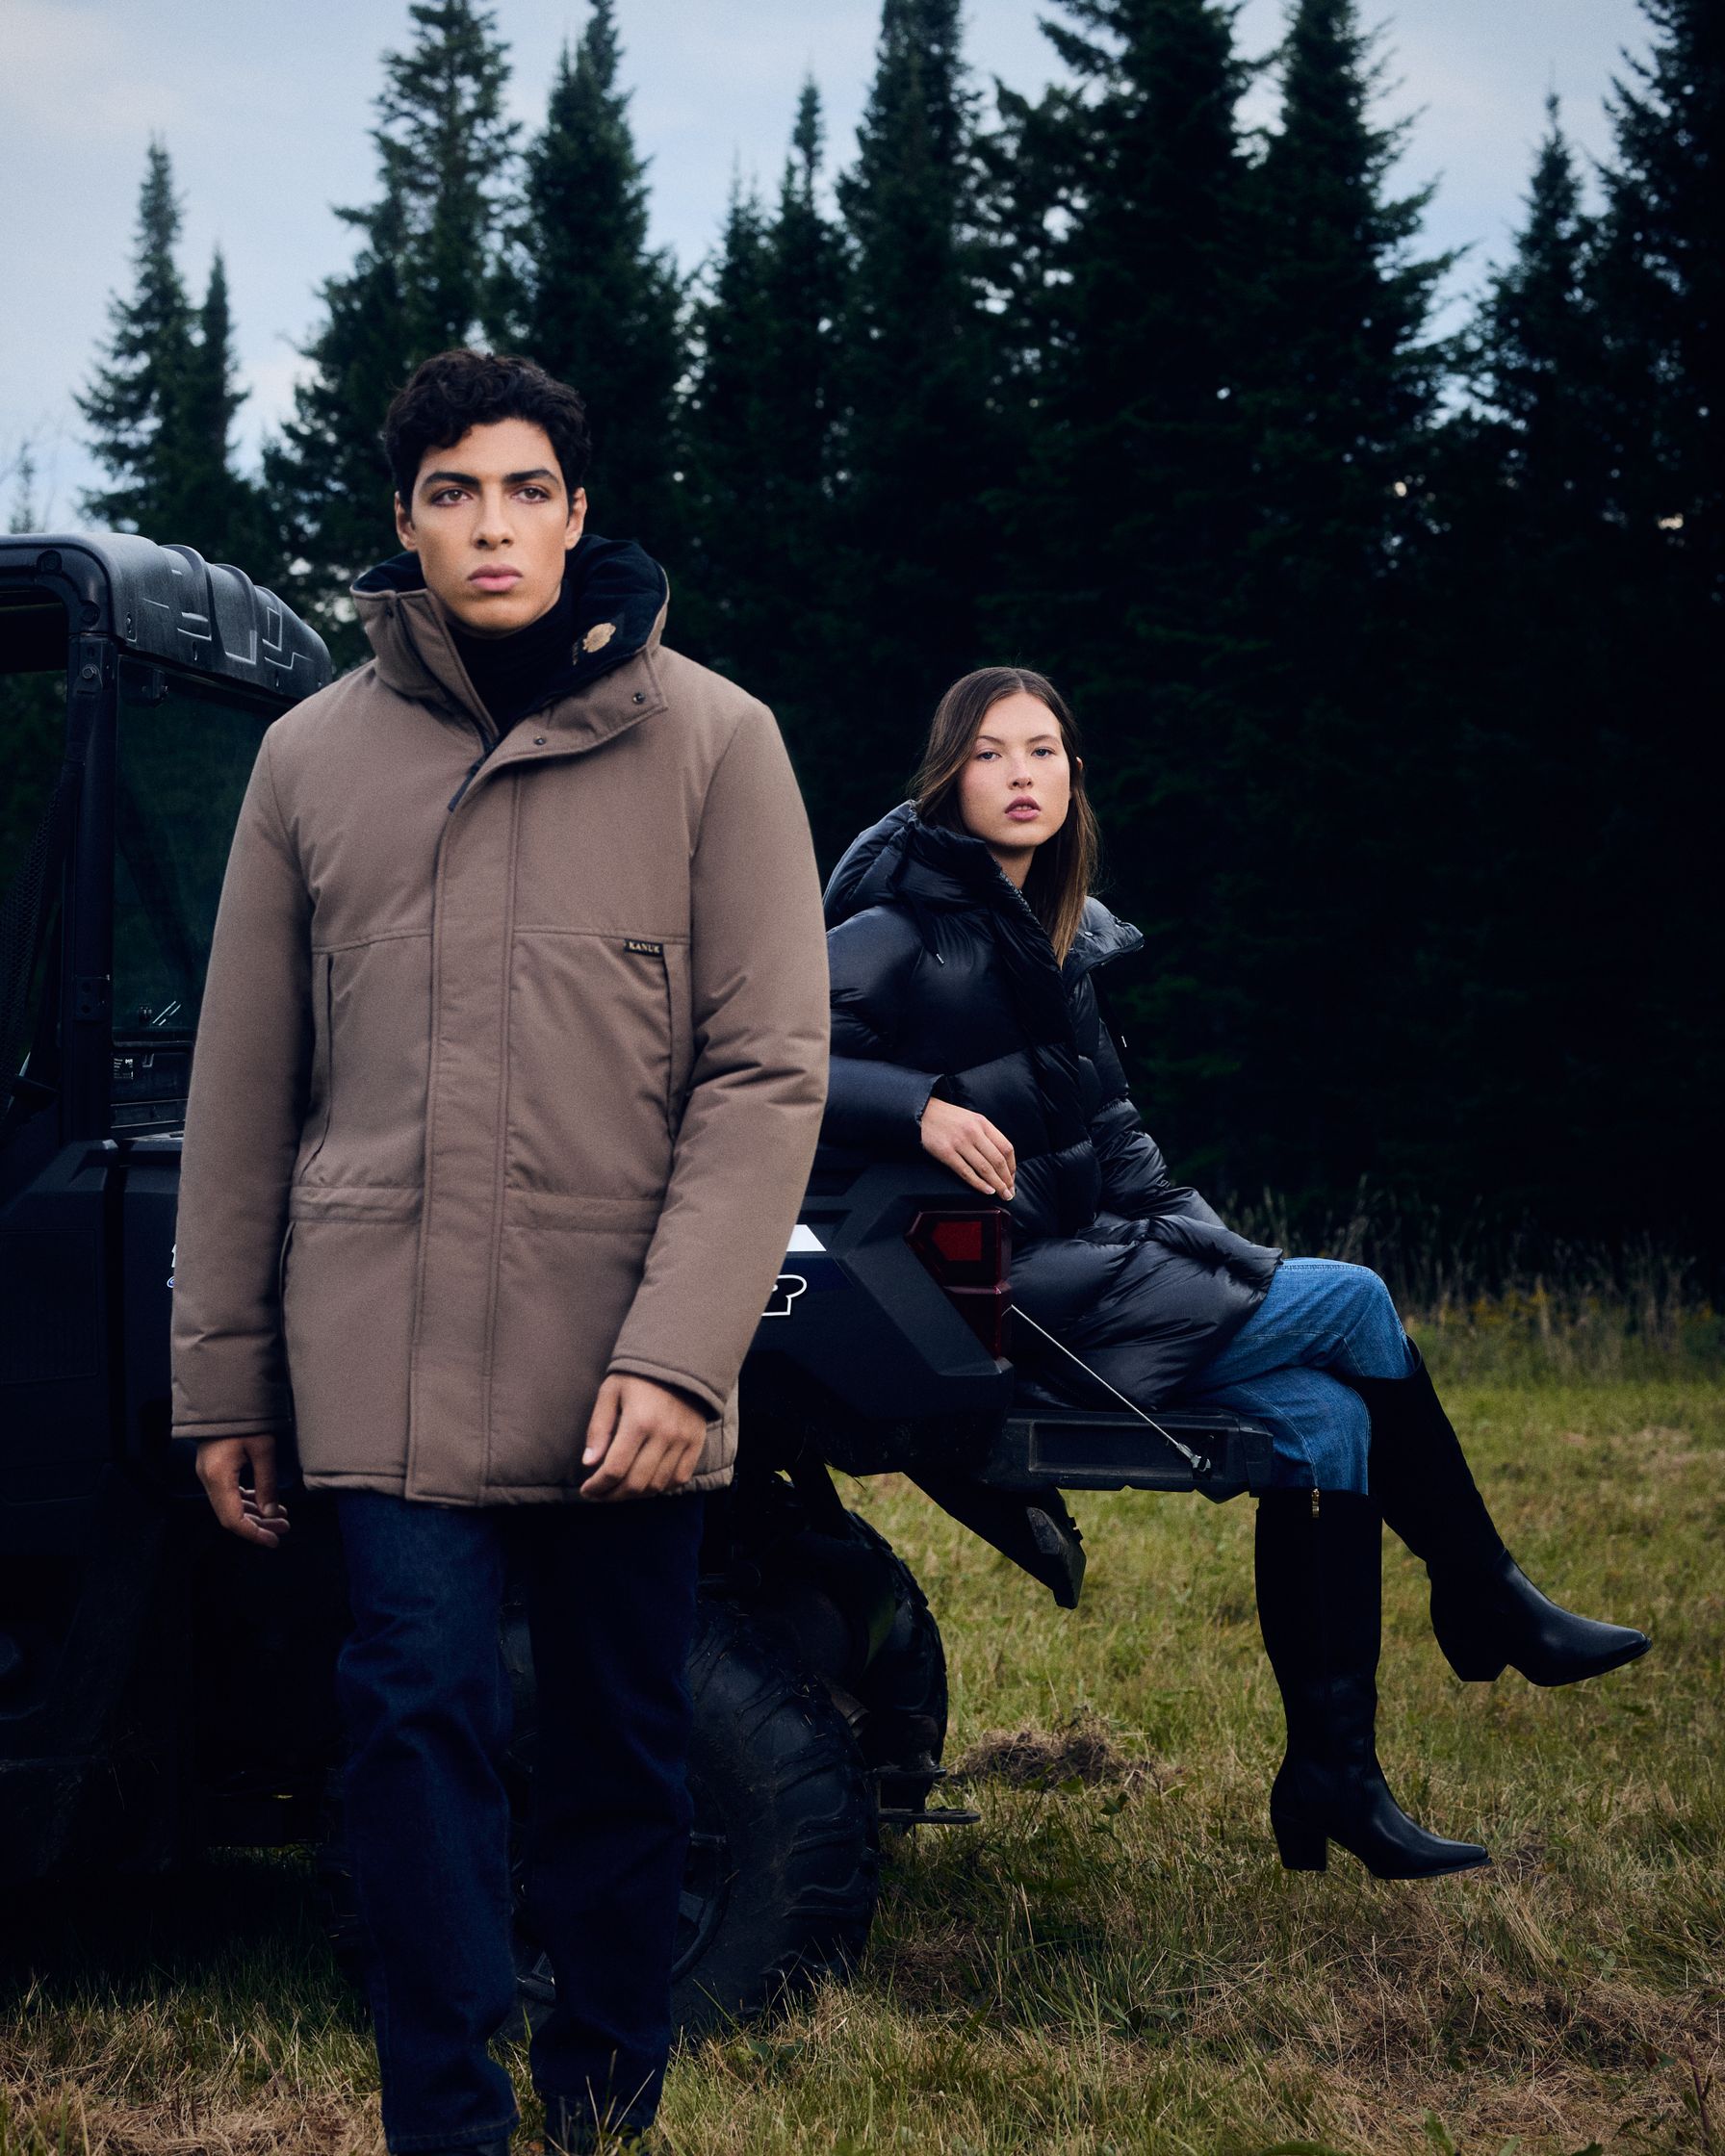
783,1867
904,1690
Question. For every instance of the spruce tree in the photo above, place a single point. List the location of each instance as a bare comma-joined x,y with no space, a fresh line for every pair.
1346,381
1662,286
758,426
221,512
162,402
728,433
1336,393
917,438
1512,763
135,404
1128,513
597,304
425,277
1131,507
804,290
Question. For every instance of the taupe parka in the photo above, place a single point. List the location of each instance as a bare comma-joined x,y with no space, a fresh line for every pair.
511,1058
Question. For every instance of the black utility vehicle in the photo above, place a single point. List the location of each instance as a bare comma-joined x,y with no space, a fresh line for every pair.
165,1689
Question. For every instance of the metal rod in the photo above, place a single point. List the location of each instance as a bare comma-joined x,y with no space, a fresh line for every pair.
1197,1461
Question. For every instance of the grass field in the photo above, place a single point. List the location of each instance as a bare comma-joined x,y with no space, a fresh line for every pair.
1113,1961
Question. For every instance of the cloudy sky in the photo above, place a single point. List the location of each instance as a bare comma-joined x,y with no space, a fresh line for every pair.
265,110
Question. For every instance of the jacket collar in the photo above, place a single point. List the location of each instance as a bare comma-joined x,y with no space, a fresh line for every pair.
621,599
902,861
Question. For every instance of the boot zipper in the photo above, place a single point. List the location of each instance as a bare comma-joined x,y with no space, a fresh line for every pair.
1314,1503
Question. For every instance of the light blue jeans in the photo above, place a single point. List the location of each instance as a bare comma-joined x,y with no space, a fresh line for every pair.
1320,1316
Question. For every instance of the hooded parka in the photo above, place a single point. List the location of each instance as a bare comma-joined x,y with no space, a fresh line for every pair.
942,978
511,1058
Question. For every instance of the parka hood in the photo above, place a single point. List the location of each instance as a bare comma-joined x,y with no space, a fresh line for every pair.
901,860
621,599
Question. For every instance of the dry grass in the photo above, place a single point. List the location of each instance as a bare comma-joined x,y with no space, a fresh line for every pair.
1113,1961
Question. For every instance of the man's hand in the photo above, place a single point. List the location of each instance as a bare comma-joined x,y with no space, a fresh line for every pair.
969,1145
253,1514
644,1440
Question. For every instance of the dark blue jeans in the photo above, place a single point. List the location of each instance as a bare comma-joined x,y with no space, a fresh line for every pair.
424,1696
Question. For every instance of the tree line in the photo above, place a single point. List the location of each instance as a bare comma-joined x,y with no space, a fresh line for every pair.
1392,652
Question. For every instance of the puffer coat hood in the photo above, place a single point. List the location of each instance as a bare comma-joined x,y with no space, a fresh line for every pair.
511,1058
944,977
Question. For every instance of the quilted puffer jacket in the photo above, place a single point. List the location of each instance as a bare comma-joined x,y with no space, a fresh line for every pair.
942,976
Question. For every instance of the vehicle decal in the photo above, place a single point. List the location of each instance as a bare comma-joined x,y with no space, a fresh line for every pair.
785,1291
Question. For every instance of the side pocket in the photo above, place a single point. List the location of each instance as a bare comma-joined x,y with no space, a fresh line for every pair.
322,1060
675,959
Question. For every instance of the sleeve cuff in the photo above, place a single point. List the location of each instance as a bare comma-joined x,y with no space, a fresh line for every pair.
675,1381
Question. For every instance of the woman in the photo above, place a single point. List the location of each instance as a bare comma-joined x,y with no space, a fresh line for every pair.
963,944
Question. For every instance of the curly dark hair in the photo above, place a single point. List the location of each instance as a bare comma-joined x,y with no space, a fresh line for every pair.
456,390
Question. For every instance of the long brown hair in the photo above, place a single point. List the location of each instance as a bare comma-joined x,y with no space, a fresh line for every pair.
1064,868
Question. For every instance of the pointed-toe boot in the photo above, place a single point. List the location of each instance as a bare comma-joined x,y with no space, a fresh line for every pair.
1486,1613
1488,1617
1030,1525
1319,1604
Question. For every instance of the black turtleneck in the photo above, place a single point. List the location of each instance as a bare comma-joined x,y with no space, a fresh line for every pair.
512,673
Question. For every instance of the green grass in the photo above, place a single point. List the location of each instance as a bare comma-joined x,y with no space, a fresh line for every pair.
1113,1961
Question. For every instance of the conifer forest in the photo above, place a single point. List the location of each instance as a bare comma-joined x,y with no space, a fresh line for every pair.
1396,655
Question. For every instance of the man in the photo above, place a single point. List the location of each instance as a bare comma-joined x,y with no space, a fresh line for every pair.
508,1078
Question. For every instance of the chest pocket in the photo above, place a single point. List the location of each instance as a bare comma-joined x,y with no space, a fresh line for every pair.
599,1061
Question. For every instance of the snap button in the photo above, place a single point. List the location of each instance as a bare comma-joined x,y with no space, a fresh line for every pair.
640,696
538,740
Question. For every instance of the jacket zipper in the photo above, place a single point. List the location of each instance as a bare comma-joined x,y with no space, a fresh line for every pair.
485,748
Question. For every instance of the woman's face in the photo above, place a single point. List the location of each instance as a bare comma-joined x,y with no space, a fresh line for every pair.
1016,785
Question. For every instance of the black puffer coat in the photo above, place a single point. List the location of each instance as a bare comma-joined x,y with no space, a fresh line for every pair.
941,974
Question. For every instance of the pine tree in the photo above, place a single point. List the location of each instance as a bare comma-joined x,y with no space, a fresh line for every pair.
1534,356
1511,760
728,434
1126,515
804,288
1661,289
1662,285
758,427
1336,393
221,512
597,304
1131,504
918,439
425,277
1347,383
136,402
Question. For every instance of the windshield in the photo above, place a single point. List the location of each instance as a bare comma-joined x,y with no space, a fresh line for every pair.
32,718
32,637
185,753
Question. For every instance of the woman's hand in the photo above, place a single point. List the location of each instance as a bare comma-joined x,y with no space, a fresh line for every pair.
969,1145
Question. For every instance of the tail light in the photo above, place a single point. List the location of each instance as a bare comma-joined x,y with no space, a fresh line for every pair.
969,1252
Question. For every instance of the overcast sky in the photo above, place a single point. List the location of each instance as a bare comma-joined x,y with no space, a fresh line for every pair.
265,110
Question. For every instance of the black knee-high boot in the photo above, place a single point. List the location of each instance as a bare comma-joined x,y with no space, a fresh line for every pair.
1319,1587
1486,1611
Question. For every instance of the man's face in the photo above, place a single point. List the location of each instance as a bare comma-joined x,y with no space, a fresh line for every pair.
491,523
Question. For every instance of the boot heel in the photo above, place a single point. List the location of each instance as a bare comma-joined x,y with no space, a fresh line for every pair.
1469,1653
1476,1665
1302,1848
